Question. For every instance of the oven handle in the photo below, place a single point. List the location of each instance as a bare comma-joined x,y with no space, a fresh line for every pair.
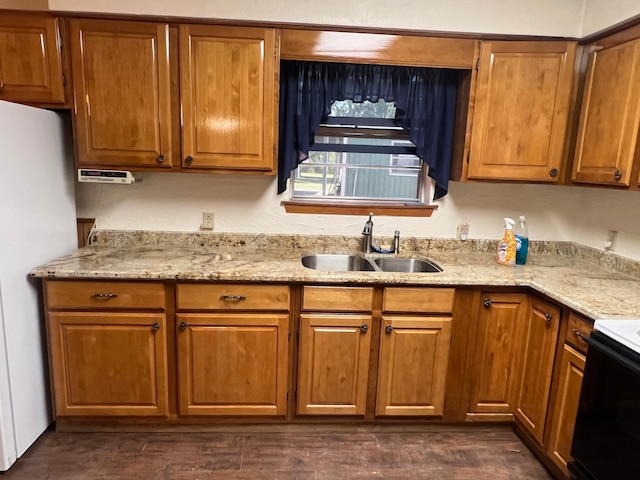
634,367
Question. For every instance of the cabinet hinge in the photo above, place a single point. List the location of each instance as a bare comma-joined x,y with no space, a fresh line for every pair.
60,40
298,336
468,156
289,336
477,63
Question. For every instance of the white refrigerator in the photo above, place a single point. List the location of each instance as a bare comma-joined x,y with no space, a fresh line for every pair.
37,224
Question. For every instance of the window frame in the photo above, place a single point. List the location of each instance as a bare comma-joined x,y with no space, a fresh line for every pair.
367,127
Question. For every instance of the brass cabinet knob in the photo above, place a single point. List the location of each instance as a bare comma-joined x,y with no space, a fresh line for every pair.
161,158
188,160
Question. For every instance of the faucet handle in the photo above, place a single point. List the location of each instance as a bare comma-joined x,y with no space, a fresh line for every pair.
396,242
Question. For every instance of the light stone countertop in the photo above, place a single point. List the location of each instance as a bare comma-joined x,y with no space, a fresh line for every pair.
571,277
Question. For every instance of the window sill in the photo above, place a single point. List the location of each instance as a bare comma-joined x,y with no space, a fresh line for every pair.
379,210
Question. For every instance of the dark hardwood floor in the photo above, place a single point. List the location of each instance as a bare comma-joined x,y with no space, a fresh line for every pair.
299,452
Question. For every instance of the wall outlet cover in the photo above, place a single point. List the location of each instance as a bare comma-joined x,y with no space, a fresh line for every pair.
207,221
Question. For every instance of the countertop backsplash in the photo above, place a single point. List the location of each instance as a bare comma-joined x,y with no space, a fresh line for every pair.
348,244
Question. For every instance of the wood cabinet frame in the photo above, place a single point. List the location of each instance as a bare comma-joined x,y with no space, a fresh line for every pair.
72,384
47,89
154,145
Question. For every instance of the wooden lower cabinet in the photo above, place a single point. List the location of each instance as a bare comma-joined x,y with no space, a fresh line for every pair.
541,328
412,371
566,407
107,364
232,363
494,356
333,364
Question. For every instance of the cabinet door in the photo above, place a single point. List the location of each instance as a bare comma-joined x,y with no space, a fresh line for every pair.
334,364
494,356
228,97
610,117
414,355
566,407
540,340
521,110
121,92
109,363
30,59
232,364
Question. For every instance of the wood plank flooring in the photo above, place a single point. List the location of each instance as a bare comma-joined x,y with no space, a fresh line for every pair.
300,452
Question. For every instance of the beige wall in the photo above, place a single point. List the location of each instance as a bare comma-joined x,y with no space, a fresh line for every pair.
542,17
25,4
600,14
249,204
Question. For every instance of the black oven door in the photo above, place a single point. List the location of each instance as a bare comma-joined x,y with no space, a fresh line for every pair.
606,440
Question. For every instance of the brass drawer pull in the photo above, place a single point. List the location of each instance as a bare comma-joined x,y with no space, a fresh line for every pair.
104,295
232,298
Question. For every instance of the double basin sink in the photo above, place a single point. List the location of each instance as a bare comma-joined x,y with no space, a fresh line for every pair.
357,263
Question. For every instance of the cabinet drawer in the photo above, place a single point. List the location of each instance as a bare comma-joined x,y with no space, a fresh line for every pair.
104,295
337,299
419,300
577,326
232,297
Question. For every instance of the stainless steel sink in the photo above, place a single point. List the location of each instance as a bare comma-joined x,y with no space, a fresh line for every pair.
356,263
337,263
406,265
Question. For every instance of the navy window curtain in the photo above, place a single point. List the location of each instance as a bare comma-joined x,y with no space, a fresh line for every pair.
425,100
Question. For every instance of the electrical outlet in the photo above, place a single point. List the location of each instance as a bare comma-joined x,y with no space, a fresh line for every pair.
463,231
609,243
207,221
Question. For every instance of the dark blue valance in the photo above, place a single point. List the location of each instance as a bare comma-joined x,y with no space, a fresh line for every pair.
425,100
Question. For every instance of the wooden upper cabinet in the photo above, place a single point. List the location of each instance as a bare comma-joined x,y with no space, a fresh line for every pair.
521,110
228,97
122,94
610,117
30,59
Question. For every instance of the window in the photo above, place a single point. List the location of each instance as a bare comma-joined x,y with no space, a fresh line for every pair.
361,159
361,156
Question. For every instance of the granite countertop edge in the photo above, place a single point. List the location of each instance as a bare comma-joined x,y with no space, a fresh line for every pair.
579,283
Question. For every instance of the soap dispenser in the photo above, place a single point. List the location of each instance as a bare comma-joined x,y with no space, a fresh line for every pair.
507,246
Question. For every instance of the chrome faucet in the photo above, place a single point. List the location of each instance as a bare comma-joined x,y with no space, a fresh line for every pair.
367,235
367,239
